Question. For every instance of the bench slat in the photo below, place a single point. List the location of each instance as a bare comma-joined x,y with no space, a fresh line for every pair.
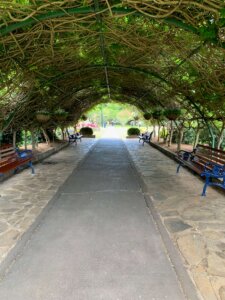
207,162
209,159
10,160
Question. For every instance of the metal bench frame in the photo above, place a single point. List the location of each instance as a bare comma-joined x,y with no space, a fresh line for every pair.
207,162
74,137
145,138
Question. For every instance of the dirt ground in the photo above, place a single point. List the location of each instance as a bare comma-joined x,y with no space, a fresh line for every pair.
173,147
43,147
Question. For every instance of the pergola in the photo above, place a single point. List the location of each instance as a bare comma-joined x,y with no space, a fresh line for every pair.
74,54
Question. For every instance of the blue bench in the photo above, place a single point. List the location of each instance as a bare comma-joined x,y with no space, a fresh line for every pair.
74,137
13,159
145,137
208,162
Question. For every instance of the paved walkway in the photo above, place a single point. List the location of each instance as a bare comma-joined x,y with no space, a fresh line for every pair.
196,224
23,196
98,240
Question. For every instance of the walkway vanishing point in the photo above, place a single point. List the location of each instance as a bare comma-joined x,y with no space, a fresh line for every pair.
98,240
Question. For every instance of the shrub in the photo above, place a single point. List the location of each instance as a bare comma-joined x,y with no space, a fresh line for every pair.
205,137
7,137
86,131
133,131
189,136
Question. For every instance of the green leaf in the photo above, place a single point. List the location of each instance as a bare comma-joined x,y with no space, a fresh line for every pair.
222,13
208,33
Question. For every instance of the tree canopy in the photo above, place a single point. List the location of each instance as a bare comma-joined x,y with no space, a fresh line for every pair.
72,55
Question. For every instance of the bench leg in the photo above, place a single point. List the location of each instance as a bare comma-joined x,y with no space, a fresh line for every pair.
72,142
178,168
207,182
15,171
32,167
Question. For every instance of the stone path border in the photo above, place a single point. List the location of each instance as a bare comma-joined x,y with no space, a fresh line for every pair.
24,196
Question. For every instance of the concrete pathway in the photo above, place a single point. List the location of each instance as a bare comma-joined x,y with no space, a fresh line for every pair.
98,241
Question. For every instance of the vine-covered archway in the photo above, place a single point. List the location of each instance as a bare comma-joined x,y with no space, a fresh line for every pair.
68,54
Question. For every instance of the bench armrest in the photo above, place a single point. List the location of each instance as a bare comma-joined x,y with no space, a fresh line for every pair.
185,155
214,168
24,153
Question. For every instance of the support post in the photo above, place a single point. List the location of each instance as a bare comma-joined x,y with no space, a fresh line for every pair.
14,139
212,135
25,139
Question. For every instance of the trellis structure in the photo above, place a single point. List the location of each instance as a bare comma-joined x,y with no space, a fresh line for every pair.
74,54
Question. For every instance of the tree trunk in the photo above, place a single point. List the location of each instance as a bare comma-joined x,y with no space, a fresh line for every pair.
1,136
53,137
154,131
25,139
171,134
164,134
46,136
33,139
180,138
63,134
67,132
197,137
220,137
14,139
159,128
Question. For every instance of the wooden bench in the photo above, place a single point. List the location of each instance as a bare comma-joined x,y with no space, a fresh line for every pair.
145,137
13,159
74,137
207,162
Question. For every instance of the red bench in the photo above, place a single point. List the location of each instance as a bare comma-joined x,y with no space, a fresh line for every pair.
12,159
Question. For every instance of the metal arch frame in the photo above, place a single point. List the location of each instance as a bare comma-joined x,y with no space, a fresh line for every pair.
91,86
88,10
112,67
102,44
136,103
154,100
148,73
116,67
138,70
